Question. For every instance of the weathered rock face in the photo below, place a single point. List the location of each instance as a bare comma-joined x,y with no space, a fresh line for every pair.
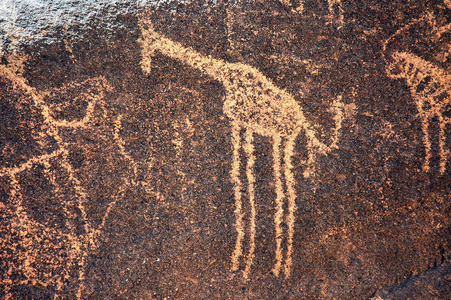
123,173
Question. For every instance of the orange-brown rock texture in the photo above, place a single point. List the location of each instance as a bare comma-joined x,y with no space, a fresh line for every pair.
225,149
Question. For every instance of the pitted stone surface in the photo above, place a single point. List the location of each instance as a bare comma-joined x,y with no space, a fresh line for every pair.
225,149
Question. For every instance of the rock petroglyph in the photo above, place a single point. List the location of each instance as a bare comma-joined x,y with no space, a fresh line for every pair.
68,249
299,7
430,87
254,104
121,144
335,8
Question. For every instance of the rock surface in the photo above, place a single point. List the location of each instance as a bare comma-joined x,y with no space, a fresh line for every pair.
225,150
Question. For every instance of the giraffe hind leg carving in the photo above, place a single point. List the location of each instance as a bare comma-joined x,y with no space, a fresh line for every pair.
249,148
279,204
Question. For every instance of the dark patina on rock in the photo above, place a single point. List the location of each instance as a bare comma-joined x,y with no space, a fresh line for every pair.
225,150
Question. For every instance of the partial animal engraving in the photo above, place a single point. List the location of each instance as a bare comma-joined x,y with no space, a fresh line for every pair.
335,8
430,86
299,7
254,104
69,247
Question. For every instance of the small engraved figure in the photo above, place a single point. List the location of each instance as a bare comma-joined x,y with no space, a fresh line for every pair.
429,86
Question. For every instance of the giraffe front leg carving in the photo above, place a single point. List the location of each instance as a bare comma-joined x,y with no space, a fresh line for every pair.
235,175
289,179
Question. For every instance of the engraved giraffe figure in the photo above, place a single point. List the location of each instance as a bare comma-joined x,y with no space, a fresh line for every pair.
430,87
255,104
